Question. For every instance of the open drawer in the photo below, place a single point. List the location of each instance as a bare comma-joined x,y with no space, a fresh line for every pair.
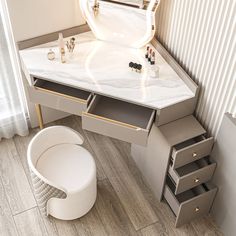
58,96
118,119
191,204
191,150
192,174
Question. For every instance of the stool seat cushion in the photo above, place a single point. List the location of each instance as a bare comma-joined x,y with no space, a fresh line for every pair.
68,165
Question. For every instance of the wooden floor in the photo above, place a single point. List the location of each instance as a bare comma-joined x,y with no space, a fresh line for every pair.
124,205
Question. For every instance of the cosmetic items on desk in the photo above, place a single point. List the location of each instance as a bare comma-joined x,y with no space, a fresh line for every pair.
71,45
135,66
154,71
62,52
151,57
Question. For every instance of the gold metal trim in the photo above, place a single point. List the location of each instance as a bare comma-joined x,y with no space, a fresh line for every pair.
111,121
39,115
62,95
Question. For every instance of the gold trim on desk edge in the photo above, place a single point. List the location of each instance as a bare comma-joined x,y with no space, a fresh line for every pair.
62,95
112,121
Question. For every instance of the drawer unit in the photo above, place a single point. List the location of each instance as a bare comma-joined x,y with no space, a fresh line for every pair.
118,119
59,97
192,174
191,150
190,204
185,151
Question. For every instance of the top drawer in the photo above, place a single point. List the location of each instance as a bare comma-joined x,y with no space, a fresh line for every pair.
191,150
58,96
118,119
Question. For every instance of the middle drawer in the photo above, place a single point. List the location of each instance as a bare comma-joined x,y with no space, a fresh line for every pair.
118,119
192,174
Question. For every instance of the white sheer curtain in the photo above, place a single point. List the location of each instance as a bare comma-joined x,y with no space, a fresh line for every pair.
12,112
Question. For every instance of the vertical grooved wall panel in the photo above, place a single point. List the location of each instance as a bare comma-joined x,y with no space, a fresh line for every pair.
201,35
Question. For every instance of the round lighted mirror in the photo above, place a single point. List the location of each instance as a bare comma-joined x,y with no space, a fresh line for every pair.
127,22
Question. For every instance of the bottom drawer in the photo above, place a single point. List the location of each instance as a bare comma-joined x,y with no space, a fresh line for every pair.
191,204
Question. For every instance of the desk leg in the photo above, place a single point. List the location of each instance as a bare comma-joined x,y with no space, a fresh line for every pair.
39,115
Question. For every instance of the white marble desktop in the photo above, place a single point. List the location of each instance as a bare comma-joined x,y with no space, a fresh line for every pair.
102,68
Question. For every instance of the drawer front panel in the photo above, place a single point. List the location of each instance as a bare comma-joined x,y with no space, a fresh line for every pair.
70,105
114,129
192,153
195,207
193,179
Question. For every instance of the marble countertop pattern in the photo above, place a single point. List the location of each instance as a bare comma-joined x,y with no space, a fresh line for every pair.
102,68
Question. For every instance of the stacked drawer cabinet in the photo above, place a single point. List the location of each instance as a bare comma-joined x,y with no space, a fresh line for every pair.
188,190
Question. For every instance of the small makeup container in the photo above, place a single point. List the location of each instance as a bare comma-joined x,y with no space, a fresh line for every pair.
131,65
154,71
135,66
150,55
153,58
51,55
147,52
139,68
154,68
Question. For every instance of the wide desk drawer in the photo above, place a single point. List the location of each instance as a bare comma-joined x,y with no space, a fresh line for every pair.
191,204
118,119
60,97
192,174
191,150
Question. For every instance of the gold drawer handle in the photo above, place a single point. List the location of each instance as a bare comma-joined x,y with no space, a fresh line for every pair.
197,209
194,154
196,180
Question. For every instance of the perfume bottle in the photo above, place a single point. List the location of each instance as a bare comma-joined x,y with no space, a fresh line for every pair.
63,55
62,48
51,55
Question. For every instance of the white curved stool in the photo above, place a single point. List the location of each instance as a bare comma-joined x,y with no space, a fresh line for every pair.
63,173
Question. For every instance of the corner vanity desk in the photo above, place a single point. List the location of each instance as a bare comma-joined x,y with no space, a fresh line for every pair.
169,145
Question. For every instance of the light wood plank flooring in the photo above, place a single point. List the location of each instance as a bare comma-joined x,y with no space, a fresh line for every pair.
124,205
